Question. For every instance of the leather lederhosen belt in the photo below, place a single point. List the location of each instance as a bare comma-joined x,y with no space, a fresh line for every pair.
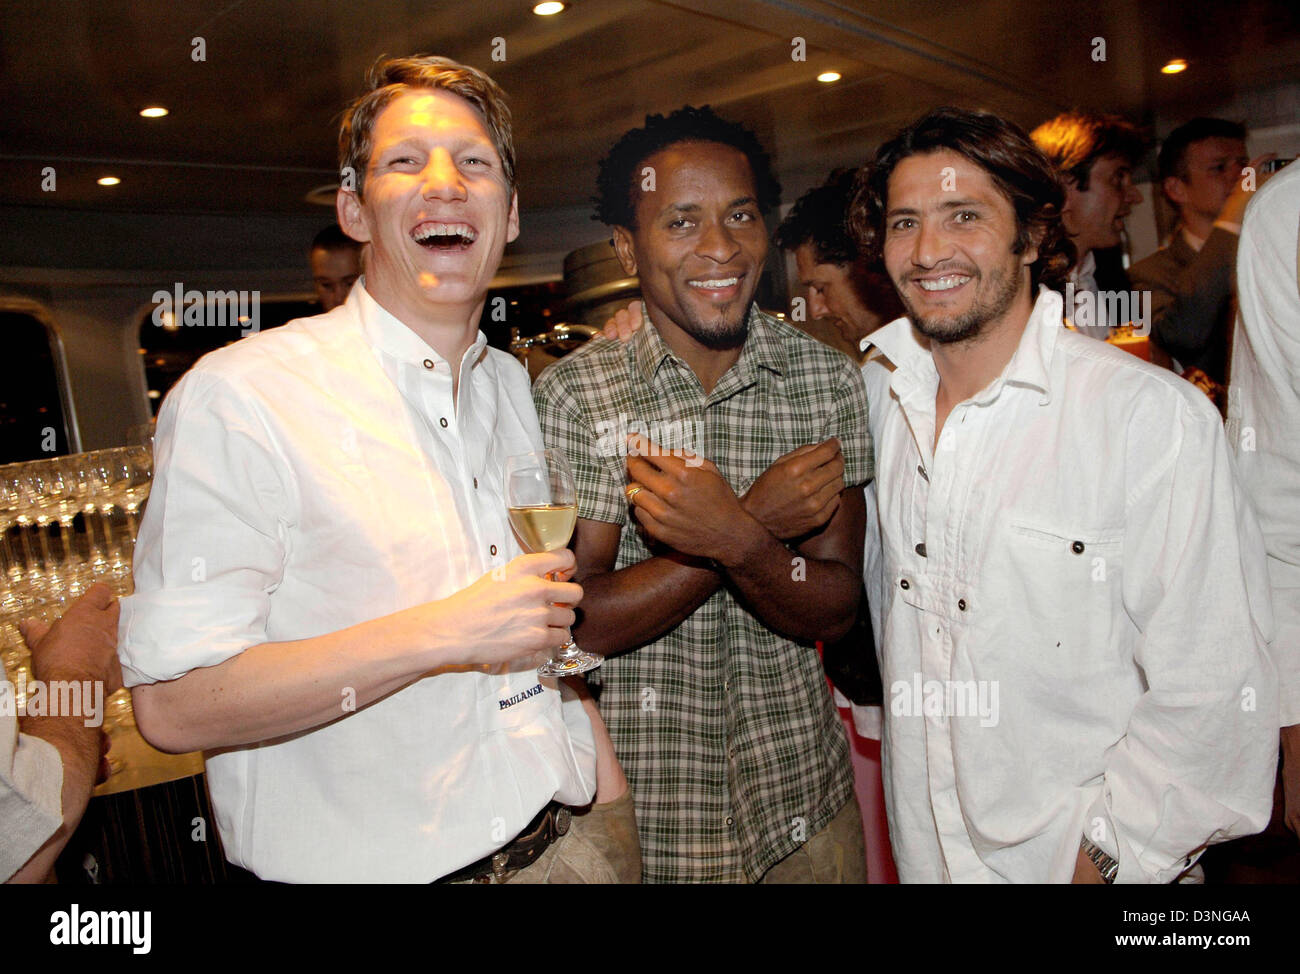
524,850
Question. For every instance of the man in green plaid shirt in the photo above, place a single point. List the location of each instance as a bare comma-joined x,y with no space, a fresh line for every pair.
717,540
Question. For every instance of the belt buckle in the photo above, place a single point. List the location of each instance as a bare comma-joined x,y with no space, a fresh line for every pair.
562,819
500,866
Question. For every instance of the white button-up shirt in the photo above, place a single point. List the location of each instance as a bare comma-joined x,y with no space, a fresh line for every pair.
311,478
1074,630
1264,404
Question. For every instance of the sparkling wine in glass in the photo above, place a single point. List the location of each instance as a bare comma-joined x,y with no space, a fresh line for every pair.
543,509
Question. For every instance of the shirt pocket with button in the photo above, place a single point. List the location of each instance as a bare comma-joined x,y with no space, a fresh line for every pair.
1055,634
1064,580
1059,560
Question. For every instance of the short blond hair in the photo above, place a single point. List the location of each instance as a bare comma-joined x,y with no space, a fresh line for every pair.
390,77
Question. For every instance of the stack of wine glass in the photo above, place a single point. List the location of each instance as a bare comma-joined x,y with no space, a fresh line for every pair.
68,522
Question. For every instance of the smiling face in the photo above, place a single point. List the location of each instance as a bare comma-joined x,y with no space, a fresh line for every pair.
1095,218
949,250
437,209
700,243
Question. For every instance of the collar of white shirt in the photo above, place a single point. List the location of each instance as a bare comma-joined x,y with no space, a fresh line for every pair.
1084,274
389,337
1030,365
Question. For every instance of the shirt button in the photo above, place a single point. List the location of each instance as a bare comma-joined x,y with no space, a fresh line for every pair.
961,604
443,422
920,549
903,585
1077,547
730,820
428,363
920,468
476,483
492,550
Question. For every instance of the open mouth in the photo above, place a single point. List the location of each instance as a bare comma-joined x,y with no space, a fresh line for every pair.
948,283
444,237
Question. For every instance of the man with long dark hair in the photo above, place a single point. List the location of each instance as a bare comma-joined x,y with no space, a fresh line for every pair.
1076,686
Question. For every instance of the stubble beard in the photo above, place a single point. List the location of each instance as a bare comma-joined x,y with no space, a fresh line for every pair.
963,327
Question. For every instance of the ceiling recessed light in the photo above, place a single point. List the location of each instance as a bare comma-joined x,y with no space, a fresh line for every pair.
826,77
108,180
1174,66
153,111
548,9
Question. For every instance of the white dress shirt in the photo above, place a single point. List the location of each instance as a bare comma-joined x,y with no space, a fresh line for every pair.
1264,404
318,476
31,789
1074,634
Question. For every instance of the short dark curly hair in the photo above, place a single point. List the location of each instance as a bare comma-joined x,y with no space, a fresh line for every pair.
1013,162
617,185
821,217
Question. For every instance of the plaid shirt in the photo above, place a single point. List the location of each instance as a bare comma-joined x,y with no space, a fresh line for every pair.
727,731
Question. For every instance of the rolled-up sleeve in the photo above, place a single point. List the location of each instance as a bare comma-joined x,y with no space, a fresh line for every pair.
1197,763
31,795
213,542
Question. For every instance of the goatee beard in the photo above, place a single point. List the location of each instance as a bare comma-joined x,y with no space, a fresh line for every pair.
720,335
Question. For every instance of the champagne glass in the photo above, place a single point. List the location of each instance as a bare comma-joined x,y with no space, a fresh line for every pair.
543,510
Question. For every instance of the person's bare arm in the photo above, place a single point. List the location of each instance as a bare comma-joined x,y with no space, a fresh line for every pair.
799,492
610,780
638,604
797,495
80,646
275,689
777,587
692,509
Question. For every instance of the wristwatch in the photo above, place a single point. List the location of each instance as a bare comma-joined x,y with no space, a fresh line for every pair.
1107,866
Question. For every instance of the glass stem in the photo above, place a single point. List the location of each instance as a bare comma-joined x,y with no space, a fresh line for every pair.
32,565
